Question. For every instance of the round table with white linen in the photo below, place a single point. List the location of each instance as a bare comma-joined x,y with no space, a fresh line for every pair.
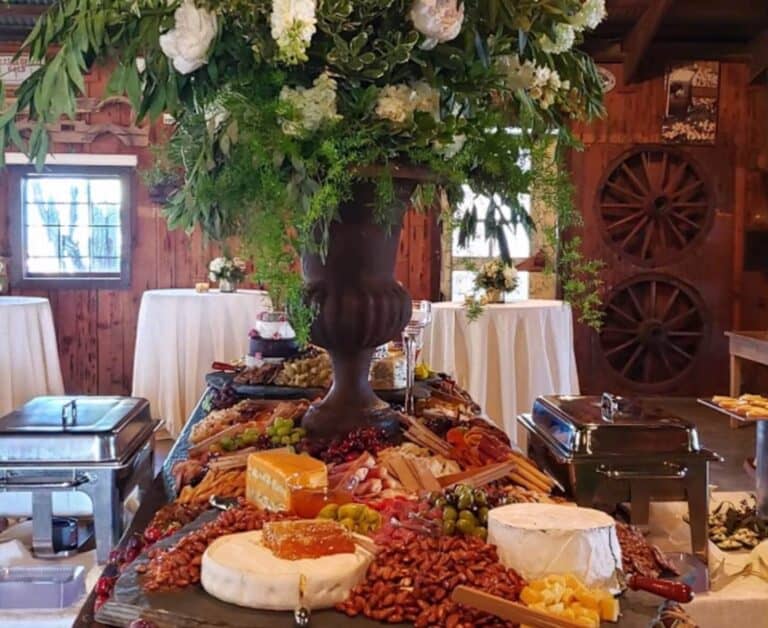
29,358
510,355
180,333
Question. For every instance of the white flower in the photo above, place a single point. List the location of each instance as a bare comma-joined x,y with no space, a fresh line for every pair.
449,151
293,24
519,76
564,38
213,276
187,43
215,267
510,277
426,98
397,103
438,20
312,107
592,12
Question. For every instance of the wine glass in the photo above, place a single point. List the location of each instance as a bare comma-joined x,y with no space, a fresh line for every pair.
421,316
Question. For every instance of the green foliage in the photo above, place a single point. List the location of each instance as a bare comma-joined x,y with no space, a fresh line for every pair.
579,277
264,168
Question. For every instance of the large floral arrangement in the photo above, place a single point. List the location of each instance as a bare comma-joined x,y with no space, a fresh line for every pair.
278,104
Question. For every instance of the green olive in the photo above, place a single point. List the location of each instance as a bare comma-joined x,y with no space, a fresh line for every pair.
480,532
329,511
469,516
450,513
440,502
465,501
284,430
351,511
480,497
482,514
449,527
372,516
348,523
465,526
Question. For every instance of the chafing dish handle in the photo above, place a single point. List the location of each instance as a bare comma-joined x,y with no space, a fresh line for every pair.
30,486
675,473
69,414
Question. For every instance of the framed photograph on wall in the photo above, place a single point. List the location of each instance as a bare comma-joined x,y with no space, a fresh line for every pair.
692,95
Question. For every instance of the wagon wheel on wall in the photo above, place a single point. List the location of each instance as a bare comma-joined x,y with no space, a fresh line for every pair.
654,205
655,327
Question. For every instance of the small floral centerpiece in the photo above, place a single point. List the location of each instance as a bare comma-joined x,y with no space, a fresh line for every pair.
227,271
496,278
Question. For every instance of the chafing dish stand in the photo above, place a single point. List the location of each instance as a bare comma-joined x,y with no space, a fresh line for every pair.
100,446
611,450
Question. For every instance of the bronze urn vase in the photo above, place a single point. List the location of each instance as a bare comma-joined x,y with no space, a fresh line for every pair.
360,305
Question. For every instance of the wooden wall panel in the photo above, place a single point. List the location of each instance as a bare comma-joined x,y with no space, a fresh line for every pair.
96,329
736,299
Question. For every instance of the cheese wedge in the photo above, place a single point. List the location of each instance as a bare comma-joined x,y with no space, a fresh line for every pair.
272,476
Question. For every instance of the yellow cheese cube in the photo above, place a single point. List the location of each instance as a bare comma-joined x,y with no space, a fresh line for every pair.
530,596
609,608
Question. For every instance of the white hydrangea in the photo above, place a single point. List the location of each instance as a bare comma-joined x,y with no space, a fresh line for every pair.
293,24
518,75
546,85
397,103
510,277
438,20
592,12
312,107
187,43
565,35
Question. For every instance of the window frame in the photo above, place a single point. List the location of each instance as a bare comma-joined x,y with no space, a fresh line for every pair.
16,176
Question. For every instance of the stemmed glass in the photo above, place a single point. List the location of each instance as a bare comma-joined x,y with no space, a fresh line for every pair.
421,316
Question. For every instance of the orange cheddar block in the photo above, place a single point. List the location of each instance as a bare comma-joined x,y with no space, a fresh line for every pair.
272,476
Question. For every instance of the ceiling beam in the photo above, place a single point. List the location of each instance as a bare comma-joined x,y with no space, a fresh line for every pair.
758,64
605,51
638,40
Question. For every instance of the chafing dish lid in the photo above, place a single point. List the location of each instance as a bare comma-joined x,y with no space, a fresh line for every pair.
51,415
74,430
608,425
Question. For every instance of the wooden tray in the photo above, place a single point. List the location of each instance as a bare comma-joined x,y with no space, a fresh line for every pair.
744,419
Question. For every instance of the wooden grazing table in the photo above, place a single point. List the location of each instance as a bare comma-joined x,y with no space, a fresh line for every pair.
745,345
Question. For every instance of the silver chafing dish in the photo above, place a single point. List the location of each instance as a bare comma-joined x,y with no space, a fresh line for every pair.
608,450
101,446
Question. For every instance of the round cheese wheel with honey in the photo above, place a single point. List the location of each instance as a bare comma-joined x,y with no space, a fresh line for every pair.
239,569
537,540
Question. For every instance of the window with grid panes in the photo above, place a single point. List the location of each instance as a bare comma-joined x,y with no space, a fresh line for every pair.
72,226
480,249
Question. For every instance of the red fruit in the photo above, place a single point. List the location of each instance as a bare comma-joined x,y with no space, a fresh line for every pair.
116,556
131,554
153,534
100,601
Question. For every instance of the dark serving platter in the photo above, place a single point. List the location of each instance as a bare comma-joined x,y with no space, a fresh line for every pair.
219,380
192,606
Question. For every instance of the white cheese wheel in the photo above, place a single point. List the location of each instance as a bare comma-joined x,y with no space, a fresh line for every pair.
239,569
537,540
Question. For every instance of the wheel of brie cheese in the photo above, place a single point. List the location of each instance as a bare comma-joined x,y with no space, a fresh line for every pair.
537,540
239,569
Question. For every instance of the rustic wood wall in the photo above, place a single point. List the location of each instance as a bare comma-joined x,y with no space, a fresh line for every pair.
96,329
735,298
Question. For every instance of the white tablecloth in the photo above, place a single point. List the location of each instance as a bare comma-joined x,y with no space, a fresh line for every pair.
743,600
29,359
180,333
506,358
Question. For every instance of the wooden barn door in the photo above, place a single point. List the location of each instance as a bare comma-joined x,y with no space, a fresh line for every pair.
653,214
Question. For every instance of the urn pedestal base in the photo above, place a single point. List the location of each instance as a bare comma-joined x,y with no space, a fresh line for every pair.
360,306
